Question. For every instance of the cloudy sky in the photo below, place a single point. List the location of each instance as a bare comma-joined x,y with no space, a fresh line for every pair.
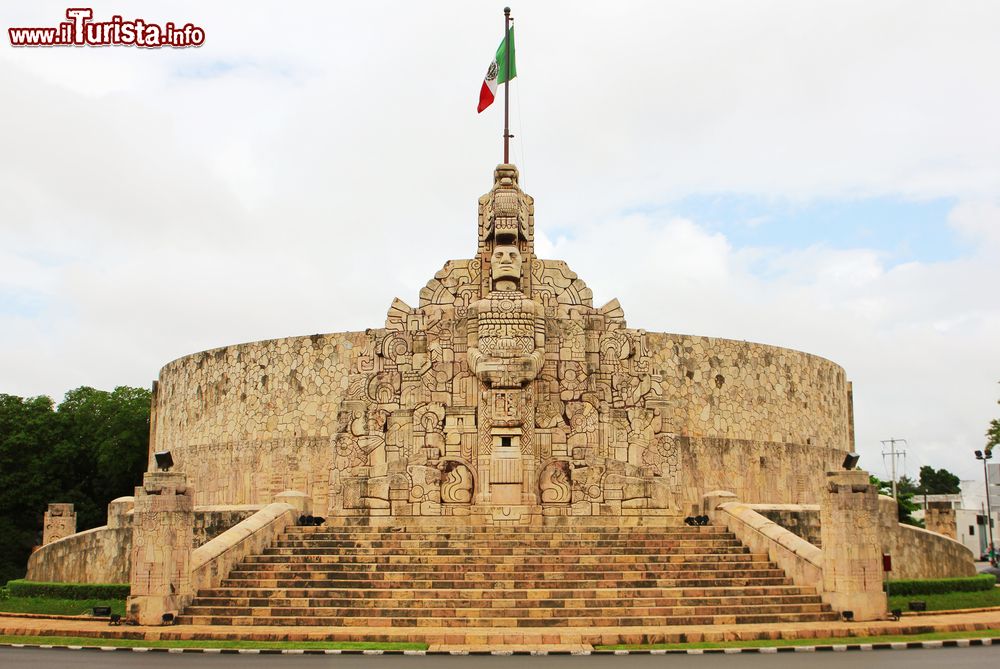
822,176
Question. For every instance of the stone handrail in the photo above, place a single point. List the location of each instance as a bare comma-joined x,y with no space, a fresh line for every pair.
802,561
212,562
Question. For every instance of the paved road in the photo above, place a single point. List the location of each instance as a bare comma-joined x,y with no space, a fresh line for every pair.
953,658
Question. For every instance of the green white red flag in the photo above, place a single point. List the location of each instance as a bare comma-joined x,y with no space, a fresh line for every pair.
497,72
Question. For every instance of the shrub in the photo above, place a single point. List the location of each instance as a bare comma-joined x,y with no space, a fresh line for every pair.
930,586
23,588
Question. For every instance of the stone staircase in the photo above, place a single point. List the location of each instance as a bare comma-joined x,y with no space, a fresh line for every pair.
505,577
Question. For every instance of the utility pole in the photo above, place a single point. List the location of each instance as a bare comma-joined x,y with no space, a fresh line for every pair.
893,453
984,456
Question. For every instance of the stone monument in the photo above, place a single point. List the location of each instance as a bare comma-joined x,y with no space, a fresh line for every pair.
162,540
504,396
60,521
852,547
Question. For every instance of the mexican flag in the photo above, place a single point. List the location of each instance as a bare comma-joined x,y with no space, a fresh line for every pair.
497,72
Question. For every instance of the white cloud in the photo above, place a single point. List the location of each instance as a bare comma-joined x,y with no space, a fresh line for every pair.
308,164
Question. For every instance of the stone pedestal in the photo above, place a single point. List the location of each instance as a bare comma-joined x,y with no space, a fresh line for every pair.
301,501
713,500
60,521
120,512
162,537
940,517
852,551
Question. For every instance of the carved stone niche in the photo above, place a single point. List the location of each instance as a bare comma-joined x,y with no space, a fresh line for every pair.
456,483
555,483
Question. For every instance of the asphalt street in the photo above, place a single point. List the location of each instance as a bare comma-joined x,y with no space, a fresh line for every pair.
953,658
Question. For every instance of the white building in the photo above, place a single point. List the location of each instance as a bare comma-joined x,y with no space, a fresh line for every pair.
970,512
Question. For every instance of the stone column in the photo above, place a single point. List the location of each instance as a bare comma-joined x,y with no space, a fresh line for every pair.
60,521
120,512
940,517
162,537
711,501
852,551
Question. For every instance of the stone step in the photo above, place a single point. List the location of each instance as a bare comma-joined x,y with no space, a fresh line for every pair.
537,610
630,581
508,530
432,544
515,551
511,560
506,577
294,533
431,600
610,621
449,568
242,573
490,592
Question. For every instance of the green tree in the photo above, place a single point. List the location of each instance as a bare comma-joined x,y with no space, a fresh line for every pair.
28,432
87,451
938,482
993,433
906,488
104,447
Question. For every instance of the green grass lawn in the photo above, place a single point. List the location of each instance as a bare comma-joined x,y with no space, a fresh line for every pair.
949,600
837,641
282,645
65,607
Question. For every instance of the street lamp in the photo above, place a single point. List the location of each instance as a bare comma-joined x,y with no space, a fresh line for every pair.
980,455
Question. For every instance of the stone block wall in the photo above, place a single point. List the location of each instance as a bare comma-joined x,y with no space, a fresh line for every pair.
248,421
919,553
100,555
802,520
723,388
211,521
940,517
103,554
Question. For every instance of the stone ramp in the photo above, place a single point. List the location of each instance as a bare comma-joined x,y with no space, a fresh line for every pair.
504,578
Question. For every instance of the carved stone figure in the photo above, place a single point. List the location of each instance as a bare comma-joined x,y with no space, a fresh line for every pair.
506,330
554,483
456,488
506,365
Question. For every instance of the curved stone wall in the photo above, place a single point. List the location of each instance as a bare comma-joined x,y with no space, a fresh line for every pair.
100,555
919,553
250,420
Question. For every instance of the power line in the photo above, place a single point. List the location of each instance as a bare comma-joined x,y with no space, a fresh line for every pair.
893,454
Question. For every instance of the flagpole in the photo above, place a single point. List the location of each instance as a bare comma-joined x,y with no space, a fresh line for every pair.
506,88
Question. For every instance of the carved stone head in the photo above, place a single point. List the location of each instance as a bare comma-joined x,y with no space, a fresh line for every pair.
506,265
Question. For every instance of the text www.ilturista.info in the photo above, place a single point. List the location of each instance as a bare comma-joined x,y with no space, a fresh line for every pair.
81,30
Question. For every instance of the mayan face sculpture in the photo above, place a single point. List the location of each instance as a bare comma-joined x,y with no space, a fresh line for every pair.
506,332
506,268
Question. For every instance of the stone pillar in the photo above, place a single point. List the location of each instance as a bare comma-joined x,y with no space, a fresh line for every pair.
852,551
60,521
120,512
713,500
162,537
940,517
301,501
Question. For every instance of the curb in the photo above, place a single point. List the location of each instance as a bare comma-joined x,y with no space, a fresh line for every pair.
899,645
895,645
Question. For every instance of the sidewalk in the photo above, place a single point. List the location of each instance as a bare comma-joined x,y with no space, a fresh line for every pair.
470,637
